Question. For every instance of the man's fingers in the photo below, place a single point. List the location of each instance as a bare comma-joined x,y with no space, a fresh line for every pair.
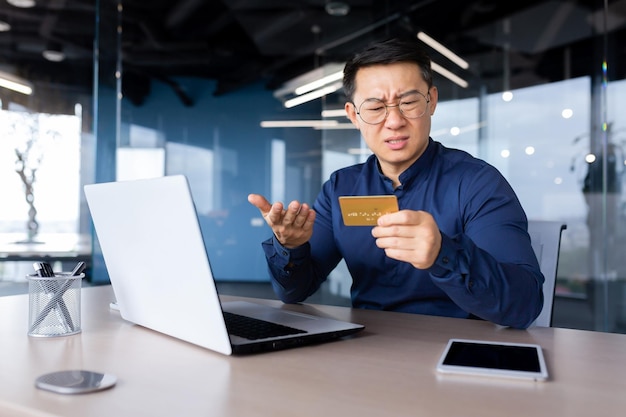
292,211
403,217
305,218
309,220
276,214
260,202
273,213
298,216
292,225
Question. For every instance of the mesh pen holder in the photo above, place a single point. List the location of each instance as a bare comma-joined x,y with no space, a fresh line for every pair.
54,304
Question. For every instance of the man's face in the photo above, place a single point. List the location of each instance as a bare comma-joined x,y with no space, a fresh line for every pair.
397,141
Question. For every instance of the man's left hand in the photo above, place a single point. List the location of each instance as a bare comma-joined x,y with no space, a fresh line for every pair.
410,236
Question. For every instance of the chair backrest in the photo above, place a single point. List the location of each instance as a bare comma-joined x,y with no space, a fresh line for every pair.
545,237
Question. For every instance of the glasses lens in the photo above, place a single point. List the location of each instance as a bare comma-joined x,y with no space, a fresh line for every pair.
373,111
413,106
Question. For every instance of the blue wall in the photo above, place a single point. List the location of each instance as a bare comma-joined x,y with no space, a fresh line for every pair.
228,125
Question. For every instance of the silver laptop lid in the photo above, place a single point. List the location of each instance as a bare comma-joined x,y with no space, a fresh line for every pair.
159,270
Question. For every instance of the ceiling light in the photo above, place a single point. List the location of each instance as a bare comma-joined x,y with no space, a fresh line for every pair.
339,126
319,83
307,79
449,75
315,124
311,85
299,123
54,52
15,83
334,113
24,4
53,56
443,50
337,8
4,26
312,95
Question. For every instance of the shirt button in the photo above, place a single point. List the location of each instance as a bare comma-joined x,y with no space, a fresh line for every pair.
284,253
445,260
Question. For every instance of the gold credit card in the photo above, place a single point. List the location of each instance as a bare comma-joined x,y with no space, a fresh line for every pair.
365,210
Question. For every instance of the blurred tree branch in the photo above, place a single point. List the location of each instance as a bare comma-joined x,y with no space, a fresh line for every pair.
29,151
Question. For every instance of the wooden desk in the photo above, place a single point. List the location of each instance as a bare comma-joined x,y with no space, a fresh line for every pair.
387,370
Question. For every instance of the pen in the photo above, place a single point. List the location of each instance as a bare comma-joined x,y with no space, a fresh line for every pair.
39,269
78,269
43,269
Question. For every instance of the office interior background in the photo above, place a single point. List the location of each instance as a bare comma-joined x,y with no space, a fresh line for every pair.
133,89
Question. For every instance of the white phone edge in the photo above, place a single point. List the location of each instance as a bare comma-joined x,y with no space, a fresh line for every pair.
541,375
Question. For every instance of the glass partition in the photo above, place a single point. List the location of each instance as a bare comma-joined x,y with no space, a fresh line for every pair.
559,142
45,146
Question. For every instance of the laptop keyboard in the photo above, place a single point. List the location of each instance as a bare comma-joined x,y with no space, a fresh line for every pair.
253,329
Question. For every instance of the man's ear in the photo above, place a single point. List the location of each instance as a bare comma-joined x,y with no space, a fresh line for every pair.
351,112
434,99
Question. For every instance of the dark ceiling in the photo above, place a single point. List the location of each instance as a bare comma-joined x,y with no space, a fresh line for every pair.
237,42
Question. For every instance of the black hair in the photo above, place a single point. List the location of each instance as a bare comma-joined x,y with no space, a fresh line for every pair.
387,52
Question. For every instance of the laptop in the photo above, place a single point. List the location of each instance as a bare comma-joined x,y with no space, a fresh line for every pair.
160,272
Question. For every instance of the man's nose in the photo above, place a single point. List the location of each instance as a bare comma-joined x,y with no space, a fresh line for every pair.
394,115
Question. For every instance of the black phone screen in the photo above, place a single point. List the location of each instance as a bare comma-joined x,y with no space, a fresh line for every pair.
495,356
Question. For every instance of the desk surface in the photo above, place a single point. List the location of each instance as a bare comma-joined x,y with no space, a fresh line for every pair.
387,370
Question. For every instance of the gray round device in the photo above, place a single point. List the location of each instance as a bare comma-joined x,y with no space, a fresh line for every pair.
75,382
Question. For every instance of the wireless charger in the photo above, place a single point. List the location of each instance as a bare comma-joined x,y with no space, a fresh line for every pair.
75,382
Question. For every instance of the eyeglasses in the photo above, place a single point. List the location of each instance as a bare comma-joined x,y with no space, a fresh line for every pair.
374,111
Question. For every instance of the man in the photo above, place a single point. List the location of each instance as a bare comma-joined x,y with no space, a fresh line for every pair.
458,246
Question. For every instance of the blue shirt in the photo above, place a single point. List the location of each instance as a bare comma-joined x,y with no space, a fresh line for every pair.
486,266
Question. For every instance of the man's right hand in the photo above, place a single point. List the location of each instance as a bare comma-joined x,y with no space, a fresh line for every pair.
293,226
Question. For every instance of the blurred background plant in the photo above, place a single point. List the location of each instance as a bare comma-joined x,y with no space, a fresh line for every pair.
31,142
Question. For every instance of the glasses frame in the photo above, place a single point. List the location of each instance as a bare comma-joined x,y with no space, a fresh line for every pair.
387,106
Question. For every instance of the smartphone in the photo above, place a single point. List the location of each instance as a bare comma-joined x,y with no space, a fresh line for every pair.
365,210
486,358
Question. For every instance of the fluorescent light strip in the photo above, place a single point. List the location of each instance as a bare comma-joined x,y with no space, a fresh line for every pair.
334,113
15,83
326,70
443,50
339,126
312,95
449,75
300,123
25,4
319,83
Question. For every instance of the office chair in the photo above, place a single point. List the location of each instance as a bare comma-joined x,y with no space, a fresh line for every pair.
545,237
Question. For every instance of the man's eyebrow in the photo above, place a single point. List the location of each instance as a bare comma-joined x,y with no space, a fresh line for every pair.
399,96
408,93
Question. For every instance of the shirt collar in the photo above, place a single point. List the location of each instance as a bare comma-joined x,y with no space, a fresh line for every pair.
419,168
